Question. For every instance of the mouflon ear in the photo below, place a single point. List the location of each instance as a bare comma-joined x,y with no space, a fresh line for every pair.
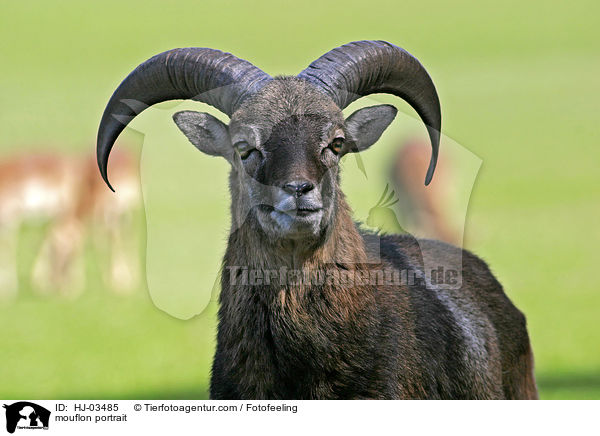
207,133
366,125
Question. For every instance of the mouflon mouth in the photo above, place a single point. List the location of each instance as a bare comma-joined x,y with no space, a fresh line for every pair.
297,221
292,223
300,211
297,213
304,212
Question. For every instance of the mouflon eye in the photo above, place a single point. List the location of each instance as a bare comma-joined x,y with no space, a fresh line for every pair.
244,149
337,144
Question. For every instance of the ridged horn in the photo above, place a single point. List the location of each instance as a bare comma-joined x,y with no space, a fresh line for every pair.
361,68
203,74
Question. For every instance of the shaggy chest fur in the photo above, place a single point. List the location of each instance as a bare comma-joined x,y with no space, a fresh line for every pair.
279,340
292,343
296,338
317,341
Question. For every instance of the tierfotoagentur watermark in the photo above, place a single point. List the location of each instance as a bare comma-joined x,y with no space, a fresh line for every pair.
388,276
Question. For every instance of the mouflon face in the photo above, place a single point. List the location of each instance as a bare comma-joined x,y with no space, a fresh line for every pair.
284,145
287,144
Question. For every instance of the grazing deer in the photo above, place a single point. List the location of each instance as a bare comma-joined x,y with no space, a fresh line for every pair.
426,211
59,190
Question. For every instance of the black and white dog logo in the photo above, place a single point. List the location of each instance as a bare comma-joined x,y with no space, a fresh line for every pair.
26,415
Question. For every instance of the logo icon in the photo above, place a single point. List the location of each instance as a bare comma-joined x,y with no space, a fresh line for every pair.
382,217
26,415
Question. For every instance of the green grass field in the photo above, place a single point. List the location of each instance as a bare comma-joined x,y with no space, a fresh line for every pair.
519,88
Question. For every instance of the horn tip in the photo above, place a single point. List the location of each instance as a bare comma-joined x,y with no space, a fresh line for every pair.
430,172
102,166
105,178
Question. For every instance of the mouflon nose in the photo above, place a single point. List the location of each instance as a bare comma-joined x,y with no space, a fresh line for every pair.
298,188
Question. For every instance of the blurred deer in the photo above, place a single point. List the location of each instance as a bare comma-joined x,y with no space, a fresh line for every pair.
425,211
64,192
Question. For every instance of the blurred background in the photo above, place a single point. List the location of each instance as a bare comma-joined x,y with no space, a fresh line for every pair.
519,87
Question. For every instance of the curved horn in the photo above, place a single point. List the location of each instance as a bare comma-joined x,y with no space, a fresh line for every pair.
183,73
366,67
